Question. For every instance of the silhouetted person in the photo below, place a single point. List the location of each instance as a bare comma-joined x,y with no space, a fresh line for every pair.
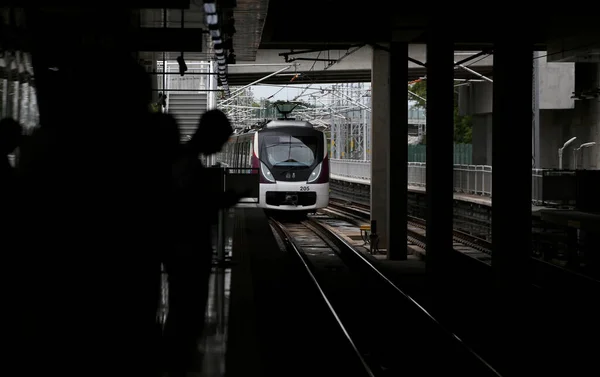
93,174
189,266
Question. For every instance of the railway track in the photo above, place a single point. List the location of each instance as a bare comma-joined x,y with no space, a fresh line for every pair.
546,274
463,242
389,332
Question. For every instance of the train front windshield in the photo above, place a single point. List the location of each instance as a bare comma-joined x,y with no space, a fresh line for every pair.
288,150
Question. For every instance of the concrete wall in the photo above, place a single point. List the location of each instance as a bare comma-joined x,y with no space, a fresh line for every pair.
554,131
482,139
557,83
583,122
475,99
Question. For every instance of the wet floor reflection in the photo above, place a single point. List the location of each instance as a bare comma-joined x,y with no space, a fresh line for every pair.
214,342
163,305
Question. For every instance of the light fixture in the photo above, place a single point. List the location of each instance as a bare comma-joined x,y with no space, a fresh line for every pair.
582,146
586,145
560,151
212,19
210,7
182,66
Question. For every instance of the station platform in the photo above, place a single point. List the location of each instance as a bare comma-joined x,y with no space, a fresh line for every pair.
480,200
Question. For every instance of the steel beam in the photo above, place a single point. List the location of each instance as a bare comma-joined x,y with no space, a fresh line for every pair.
132,4
167,39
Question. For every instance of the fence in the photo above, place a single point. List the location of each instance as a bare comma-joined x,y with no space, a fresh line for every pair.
468,179
463,153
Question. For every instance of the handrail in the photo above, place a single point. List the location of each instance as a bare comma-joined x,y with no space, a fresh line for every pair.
468,179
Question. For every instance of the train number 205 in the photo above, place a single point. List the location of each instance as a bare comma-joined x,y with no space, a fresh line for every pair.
304,188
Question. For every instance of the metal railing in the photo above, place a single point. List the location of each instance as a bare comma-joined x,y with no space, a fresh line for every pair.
357,169
468,179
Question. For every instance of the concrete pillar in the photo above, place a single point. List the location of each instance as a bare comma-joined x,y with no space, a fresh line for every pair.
511,185
482,139
398,151
440,156
511,203
380,136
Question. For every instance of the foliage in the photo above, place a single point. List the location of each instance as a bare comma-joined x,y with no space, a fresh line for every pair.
463,124
420,89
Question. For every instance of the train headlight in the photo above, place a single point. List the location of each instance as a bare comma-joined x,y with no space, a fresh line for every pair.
315,173
266,173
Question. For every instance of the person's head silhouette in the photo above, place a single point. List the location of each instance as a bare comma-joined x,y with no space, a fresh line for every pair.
212,133
10,135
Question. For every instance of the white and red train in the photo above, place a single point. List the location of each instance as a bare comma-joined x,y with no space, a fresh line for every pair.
292,160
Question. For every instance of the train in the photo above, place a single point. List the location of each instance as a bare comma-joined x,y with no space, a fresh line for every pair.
291,157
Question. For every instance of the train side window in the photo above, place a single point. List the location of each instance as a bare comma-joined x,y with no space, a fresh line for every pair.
251,143
242,154
229,151
245,157
249,154
236,155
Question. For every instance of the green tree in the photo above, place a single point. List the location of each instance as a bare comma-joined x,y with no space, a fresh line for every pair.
420,89
463,124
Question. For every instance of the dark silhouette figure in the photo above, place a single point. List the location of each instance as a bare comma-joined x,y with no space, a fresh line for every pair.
92,224
197,200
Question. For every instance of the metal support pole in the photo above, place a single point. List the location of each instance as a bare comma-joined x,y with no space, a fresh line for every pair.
560,158
474,72
221,222
535,142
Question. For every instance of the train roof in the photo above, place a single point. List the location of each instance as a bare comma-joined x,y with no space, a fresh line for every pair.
275,124
288,123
